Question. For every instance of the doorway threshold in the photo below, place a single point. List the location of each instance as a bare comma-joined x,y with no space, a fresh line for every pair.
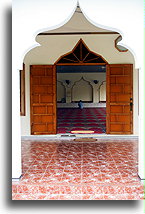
72,136
68,135
99,136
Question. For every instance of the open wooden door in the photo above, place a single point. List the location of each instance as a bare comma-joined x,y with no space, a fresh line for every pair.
43,99
119,97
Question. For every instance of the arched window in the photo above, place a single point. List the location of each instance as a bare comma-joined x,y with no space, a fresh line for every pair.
81,54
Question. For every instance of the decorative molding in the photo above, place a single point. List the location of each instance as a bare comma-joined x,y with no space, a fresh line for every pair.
82,78
102,83
117,47
65,89
16,179
61,82
77,33
81,54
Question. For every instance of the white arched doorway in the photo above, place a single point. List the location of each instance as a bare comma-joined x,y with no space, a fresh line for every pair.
19,53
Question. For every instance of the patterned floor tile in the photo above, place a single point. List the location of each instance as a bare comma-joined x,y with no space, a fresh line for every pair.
62,170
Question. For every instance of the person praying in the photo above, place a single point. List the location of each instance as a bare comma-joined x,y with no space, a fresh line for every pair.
80,104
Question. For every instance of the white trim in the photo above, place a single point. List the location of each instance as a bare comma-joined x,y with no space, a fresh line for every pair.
16,179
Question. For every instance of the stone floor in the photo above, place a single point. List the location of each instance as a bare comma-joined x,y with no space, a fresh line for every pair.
69,170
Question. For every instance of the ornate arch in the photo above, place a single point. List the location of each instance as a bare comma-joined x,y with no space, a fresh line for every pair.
102,86
119,47
88,83
81,54
64,89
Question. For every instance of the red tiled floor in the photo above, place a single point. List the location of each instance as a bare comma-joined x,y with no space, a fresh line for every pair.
65,170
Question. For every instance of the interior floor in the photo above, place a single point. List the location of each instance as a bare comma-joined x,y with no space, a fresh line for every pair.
70,170
75,119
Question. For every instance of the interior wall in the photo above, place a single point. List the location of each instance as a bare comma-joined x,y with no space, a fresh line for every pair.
82,90
102,92
49,52
75,79
61,92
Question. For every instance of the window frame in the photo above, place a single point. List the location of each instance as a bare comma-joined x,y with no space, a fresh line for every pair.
22,91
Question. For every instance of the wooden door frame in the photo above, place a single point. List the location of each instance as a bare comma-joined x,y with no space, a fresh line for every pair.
79,59
63,64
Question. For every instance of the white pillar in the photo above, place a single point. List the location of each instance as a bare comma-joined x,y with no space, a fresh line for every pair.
68,95
16,137
141,144
95,93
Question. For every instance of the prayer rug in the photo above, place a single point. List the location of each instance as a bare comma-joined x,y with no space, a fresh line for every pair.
87,119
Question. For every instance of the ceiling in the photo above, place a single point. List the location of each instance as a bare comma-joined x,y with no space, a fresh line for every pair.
81,69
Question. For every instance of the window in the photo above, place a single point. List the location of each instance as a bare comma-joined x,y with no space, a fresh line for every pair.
81,54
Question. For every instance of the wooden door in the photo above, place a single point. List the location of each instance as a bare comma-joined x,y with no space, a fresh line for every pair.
43,99
119,99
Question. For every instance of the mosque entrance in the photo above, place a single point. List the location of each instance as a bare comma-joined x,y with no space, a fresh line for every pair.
57,89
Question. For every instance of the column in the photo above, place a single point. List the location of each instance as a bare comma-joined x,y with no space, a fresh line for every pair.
95,93
16,132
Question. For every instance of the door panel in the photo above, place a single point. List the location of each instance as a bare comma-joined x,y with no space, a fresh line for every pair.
43,99
119,96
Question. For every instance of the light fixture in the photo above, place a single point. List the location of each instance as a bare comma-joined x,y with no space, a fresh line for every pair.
67,82
96,81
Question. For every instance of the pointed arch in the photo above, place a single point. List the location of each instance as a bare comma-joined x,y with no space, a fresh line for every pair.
82,90
102,92
81,54
61,91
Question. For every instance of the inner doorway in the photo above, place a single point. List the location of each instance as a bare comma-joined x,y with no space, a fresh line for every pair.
88,84
81,77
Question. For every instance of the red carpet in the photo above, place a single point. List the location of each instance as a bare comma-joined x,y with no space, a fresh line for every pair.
74,119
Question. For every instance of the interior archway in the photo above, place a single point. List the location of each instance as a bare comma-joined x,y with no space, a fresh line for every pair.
61,92
82,90
102,92
83,71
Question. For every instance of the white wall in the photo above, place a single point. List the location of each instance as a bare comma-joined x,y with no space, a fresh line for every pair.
76,77
52,47
82,90
61,91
